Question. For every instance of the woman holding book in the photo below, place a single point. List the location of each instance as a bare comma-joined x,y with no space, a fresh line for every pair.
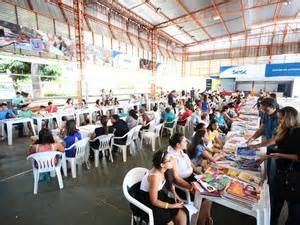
153,195
286,185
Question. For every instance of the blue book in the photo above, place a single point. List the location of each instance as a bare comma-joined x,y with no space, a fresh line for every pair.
245,152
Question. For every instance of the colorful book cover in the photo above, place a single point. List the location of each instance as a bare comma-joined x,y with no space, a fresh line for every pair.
243,191
248,178
203,191
250,164
245,152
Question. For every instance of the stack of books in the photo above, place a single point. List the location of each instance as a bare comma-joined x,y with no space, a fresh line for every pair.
242,193
212,182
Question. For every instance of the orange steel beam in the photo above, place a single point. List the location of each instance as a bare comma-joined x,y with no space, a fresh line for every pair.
59,3
284,35
221,17
182,18
30,4
275,19
151,6
117,7
244,22
194,19
80,51
127,33
237,48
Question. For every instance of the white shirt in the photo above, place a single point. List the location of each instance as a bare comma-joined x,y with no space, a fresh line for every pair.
184,163
145,183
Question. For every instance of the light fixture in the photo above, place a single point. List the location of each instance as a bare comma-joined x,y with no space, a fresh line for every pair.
216,17
287,2
158,9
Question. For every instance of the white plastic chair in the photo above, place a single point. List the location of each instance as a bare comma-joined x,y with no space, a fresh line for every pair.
128,142
46,162
81,155
182,128
134,176
104,144
152,135
171,129
135,136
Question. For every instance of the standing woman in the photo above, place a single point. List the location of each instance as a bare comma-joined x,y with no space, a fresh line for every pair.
152,194
286,185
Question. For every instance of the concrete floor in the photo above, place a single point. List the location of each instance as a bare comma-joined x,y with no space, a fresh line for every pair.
95,197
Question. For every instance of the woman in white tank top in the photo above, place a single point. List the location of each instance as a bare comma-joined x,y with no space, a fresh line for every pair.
154,195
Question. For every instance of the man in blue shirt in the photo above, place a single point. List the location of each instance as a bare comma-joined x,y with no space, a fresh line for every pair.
268,129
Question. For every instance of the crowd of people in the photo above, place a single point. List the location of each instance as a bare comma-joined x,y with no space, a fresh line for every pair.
211,114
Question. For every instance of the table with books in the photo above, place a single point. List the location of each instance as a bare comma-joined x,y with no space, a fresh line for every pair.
238,180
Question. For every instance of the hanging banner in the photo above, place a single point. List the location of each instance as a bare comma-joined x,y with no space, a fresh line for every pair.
282,69
246,72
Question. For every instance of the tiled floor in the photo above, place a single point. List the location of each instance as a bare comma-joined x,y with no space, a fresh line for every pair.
95,197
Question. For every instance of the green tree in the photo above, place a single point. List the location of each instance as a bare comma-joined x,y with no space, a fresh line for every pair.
50,72
16,67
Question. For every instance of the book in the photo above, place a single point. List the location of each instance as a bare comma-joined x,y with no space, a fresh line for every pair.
212,182
203,191
250,164
245,152
250,179
242,193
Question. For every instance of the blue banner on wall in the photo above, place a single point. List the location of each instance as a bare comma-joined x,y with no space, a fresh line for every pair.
223,68
282,69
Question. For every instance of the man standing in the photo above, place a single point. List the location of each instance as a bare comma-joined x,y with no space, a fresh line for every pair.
268,129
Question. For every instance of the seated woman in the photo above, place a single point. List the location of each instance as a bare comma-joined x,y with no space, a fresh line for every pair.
214,140
219,118
231,111
169,117
196,117
197,150
72,135
182,117
144,119
103,130
164,208
132,119
45,143
183,173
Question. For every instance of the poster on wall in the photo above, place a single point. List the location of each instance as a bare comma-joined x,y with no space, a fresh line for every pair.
35,40
147,64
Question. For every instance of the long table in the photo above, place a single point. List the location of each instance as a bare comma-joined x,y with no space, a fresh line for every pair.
261,211
9,124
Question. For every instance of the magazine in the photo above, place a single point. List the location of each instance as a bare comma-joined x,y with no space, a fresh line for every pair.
250,179
246,153
242,193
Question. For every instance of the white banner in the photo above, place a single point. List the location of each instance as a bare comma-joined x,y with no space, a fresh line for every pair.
245,73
